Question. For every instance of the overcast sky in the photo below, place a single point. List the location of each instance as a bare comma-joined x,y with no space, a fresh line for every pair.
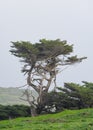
31,20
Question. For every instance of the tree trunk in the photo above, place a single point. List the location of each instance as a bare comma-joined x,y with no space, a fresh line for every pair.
33,111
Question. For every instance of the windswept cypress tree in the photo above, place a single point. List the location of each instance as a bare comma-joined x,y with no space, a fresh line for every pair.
41,65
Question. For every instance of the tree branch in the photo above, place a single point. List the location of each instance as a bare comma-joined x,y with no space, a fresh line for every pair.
30,83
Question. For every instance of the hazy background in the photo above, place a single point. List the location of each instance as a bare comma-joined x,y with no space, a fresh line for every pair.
31,20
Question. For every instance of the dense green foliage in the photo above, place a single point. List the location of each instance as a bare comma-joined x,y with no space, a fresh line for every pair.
83,94
71,96
8,112
67,120
45,50
40,51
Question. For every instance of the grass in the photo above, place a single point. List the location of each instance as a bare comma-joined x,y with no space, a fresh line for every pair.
67,120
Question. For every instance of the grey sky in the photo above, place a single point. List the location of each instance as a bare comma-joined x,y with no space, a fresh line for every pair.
31,20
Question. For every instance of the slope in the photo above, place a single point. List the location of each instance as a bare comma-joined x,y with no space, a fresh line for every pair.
67,120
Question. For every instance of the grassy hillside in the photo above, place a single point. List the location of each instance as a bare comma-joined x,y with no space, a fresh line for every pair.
11,96
67,120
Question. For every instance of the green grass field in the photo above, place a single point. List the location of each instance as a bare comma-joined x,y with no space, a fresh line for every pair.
67,120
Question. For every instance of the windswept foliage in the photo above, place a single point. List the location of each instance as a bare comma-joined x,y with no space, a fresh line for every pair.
71,96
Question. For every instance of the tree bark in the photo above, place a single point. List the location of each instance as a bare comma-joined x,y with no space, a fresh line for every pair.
33,111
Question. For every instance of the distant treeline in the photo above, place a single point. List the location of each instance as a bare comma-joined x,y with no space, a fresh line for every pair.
9,112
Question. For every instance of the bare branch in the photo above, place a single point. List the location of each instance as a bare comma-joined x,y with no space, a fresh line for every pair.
22,86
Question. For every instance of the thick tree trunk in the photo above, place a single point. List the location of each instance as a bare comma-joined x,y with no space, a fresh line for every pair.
33,111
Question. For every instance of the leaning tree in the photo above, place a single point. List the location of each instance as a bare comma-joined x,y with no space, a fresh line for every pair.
42,62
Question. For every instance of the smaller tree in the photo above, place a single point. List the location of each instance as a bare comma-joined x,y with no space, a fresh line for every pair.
42,61
81,94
